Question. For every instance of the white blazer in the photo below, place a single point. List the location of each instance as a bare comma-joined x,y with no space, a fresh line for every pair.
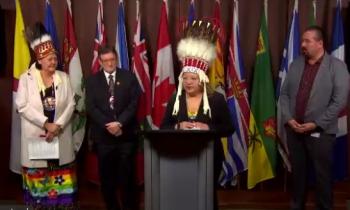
30,108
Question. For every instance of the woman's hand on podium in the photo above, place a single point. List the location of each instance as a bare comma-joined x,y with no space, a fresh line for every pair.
186,125
201,126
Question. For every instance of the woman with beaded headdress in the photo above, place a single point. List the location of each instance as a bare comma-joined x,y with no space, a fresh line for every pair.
195,105
45,102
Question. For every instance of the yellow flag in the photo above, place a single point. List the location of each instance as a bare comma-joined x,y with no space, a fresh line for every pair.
216,72
21,57
259,166
21,60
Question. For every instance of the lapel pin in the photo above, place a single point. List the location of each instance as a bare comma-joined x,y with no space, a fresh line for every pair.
118,83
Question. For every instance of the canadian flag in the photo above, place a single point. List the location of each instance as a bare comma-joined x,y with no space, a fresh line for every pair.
163,80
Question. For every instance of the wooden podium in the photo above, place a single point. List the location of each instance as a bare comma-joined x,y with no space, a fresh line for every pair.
179,169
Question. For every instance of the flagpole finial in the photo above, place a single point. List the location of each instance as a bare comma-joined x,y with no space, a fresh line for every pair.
236,10
137,8
296,4
314,6
166,7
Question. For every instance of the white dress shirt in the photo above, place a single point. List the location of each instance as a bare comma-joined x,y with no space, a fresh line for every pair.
107,76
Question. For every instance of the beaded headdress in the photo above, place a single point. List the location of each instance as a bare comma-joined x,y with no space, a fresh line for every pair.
40,41
196,51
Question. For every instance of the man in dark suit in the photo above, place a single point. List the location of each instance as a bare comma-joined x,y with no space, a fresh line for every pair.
111,101
314,92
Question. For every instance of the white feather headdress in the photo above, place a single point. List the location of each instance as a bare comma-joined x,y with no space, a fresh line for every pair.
196,51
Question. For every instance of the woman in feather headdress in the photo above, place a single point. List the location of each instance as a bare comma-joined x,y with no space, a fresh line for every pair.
45,102
195,106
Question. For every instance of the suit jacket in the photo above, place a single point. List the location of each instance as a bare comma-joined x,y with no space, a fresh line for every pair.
126,94
220,120
328,96
30,107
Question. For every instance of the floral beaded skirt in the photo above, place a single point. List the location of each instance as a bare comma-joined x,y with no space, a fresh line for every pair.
54,187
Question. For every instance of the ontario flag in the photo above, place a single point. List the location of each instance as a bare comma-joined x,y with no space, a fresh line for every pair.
141,70
100,37
21,60
72,66
235,147
340,155
163,81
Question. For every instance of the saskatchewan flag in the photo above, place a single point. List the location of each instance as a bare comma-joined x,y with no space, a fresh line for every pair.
262,151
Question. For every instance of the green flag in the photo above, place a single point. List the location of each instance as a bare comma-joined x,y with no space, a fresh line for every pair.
263,103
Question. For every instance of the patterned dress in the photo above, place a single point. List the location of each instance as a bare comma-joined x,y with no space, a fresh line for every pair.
54,187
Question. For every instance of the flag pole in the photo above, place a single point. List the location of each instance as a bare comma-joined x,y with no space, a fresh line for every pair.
137,8
236,7
314,6
266,11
